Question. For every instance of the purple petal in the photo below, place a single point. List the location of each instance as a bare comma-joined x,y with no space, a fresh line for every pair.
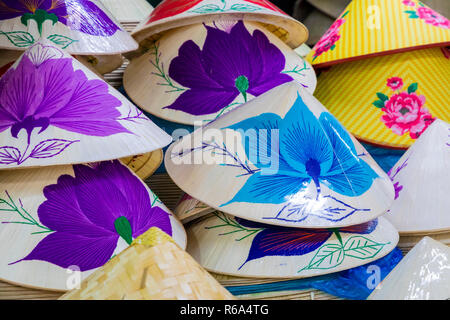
65,250
155,217
12,8
91,109
226,55
99,200
270,82
85,16
61,211
279,241
58,85
188,70
21,91
199,101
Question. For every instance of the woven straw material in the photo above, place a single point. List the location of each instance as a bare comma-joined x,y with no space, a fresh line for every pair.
159,272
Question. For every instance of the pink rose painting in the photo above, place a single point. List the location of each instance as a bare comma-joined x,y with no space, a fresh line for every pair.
429,16
404,112
329,39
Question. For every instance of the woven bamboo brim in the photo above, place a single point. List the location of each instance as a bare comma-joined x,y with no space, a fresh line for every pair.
171,14
144,165
7,58
80,27
421,180
94,123
380,27
101,64
154,270
189,209
159,84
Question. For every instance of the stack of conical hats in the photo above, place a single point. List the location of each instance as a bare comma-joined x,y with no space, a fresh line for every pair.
67,205
420,178
388,70
294,194
200,59
85,29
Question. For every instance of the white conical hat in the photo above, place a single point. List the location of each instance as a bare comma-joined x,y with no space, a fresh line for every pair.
423,274
128,11
421,179
79,26
283,159
238,247
73,217
171,14
53,110
198,72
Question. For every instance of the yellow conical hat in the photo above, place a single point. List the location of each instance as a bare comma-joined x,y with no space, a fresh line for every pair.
375,27
389,100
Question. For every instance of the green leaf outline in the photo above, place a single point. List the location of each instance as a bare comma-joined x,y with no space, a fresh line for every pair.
324,253
15,39
207,8
244,7
362,248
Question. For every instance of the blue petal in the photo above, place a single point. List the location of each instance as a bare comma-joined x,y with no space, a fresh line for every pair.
279,241
276,189
352,182
260,138
302,138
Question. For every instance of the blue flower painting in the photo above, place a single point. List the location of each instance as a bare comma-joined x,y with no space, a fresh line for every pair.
310,150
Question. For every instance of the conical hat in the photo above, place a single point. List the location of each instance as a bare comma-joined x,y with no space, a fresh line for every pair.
129,11
199,72
189,209
144,165
153,268
281,159
423,274
369,28
7,58
389,100
233,246
53,110
421,181
73,217
171,14
333,8
79,26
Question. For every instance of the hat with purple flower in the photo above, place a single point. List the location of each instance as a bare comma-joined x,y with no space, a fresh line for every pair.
53,111
80,26
199,72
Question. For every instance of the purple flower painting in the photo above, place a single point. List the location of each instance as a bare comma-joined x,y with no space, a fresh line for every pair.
90,211
78,15
44,90
230,64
